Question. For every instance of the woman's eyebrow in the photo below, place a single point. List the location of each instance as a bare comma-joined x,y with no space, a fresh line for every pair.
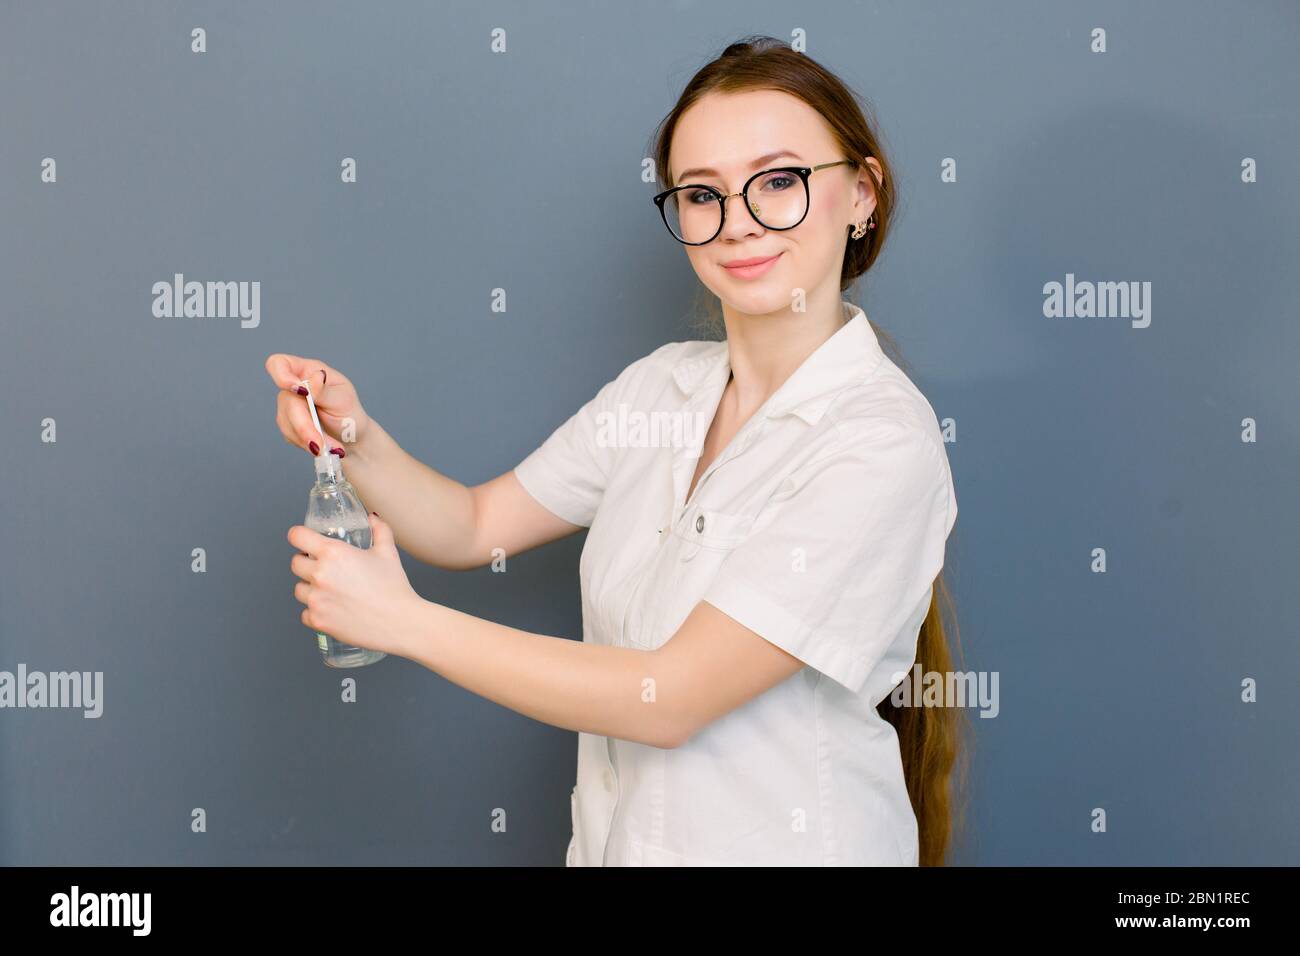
761,161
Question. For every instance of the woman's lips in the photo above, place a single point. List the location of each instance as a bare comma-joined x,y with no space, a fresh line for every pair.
755,270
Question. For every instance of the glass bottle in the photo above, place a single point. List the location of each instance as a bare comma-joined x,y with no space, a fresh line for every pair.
334,509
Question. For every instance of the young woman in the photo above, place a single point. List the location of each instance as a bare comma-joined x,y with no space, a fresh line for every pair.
751,590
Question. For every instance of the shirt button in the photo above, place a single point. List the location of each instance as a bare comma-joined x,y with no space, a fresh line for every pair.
699,523
608,777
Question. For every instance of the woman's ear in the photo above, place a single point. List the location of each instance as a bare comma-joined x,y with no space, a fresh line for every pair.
866,201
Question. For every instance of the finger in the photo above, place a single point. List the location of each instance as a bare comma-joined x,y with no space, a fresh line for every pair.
302,591
297,422
287,371
291,371
304,566
312,542
329,387
287,430
331,391
381,535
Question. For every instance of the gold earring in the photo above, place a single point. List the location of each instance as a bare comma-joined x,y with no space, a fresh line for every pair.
861,228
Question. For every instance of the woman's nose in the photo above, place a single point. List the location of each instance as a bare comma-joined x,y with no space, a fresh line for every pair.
738,220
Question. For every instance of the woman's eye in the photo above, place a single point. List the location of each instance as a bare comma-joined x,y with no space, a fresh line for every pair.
778,182
699,196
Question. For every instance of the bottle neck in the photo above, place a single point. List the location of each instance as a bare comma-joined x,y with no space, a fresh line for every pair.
329,470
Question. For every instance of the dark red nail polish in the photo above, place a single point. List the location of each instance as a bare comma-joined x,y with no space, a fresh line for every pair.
315,448
338,451
302,389
375,513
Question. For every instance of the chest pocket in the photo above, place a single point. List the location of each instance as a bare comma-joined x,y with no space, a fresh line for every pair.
696,547
710,530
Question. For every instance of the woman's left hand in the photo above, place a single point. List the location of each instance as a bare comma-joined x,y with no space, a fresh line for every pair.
358,596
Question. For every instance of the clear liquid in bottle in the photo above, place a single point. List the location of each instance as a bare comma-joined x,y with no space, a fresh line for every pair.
334,509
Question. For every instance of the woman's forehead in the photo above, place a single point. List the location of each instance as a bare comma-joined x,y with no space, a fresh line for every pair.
735,133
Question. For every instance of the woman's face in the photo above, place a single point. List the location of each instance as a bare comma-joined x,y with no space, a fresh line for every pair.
733,136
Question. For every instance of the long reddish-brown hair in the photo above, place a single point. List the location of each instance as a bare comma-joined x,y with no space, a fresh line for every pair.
933,741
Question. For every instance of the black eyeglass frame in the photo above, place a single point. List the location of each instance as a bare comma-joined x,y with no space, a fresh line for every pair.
803,172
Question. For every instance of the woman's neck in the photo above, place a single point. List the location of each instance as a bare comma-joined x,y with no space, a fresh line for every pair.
766,349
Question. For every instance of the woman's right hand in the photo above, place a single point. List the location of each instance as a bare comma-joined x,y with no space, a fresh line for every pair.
341,415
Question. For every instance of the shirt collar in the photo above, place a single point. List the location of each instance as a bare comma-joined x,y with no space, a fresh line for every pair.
849,355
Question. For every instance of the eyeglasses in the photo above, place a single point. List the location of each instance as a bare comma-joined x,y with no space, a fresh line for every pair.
694,213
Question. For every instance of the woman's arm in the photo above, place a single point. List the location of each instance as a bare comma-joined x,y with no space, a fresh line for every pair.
439,520
661,698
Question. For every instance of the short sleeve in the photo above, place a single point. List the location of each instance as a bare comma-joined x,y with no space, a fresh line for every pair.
569,471
842,559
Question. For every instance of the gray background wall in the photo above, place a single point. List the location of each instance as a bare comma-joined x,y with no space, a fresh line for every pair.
522,171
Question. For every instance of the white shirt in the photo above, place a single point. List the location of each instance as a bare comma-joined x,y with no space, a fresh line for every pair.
821,527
